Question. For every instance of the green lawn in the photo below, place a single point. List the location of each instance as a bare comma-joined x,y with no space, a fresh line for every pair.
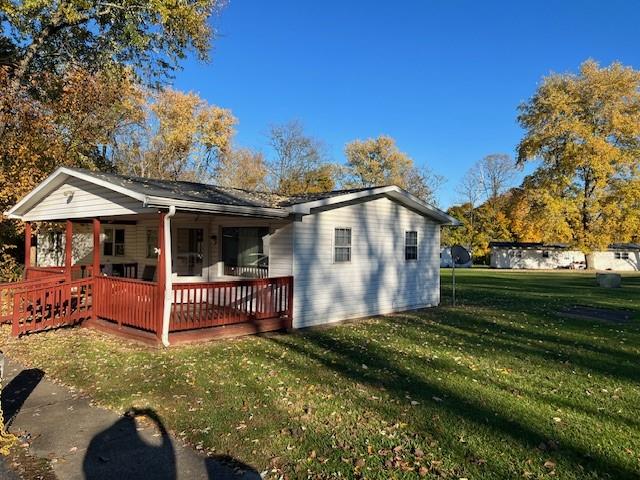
500,387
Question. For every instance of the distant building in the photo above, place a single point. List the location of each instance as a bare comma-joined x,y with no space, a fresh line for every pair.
548,256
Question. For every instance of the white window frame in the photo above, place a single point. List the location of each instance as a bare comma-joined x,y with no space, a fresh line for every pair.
406,245
113,242
335,247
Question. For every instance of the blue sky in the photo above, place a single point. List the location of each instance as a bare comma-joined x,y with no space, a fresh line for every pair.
444,78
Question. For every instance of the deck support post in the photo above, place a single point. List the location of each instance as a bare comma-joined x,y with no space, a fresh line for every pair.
165,284
95,269
68,245
27,248
290,305
161,274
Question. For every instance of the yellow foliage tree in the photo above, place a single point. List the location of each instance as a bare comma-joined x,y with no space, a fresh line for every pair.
585,130
73,124
242,168
181,138
379,161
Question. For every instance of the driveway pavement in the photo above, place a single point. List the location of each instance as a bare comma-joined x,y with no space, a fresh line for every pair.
86,442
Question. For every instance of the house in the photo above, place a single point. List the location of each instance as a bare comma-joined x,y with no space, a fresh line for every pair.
446,260
523,255
624,257
181,261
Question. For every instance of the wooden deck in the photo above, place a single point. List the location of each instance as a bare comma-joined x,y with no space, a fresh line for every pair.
134,309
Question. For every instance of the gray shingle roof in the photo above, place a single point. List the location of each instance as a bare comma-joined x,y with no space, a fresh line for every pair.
201,192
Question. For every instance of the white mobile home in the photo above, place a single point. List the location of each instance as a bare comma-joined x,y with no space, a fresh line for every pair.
221,256
522,255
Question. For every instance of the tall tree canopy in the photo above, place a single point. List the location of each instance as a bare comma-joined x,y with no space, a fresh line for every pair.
585,130
298,164
151,36
182,137
76,127
379,161
242,168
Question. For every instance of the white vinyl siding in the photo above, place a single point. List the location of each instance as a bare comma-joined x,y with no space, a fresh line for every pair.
281,251
79,199
378,279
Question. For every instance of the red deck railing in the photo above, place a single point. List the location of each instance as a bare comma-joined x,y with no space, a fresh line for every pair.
127,302
249,271
8,290
77,272
202,305
51,303
37,273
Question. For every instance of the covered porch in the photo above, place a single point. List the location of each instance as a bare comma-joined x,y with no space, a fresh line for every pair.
161,275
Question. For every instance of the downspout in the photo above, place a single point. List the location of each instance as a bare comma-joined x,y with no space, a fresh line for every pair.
168,291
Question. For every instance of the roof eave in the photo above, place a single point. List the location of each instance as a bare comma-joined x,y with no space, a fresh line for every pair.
186,205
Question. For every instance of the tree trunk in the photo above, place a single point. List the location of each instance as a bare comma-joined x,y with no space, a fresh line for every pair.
589,258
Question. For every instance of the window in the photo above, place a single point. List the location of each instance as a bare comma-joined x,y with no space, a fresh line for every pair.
545,254
189,257
621,255
518,253
113,242
245,247
411,245
152,243
342,245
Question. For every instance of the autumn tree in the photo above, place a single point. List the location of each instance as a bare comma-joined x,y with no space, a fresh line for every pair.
242,168
182,137
585,131
298,163
73,128
379,161
49,36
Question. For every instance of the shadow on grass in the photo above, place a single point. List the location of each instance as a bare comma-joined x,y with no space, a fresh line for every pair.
465,327
345,359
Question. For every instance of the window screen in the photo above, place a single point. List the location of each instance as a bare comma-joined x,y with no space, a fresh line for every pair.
342,245
411,245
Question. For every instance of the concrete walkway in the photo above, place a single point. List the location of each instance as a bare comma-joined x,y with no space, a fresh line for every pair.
87,442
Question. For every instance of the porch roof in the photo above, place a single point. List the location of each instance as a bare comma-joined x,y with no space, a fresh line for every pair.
192,196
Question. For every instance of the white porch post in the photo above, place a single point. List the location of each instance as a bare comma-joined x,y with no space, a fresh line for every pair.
168,290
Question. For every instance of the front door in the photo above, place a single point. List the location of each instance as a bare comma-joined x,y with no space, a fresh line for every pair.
190,258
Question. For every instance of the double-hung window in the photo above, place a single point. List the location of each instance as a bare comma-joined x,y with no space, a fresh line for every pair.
113,242
342,245
411,245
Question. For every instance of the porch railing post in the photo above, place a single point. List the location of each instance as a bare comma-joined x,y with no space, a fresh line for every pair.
95,269
27,249
15,318
162,276
68,245
290,303
68,264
